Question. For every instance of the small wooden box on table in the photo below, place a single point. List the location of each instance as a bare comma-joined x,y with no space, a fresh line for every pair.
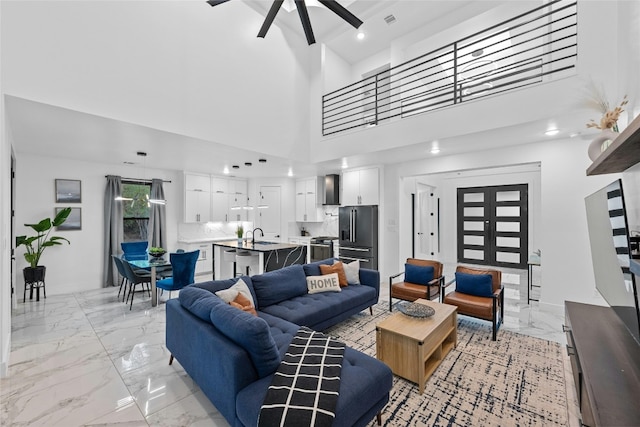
414,347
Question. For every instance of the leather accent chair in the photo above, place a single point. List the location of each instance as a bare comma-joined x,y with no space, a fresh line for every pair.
412,291
487,308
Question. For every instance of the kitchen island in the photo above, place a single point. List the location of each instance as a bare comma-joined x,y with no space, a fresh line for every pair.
270,256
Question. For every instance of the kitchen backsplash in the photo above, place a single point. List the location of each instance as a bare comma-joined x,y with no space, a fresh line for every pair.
329,227
213,230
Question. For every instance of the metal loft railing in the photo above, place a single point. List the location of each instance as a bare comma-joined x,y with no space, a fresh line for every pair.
534,47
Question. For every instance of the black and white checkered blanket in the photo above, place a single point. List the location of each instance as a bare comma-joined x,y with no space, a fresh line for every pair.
304,390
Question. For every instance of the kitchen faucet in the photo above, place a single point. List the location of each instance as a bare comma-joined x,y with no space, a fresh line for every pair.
253,235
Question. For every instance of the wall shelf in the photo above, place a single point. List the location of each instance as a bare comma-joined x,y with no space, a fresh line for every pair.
623,153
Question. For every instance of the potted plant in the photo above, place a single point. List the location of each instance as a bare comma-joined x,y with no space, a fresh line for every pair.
37,244
240,233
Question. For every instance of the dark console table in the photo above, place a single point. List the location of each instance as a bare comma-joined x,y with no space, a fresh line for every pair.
606,365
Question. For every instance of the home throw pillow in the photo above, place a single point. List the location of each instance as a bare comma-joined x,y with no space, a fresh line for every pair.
352,271
324,283
418,274
480,285
335,268
229,294
241,302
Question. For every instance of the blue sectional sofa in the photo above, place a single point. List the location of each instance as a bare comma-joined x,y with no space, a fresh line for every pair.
232,355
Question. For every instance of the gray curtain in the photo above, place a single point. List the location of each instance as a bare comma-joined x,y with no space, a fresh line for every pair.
157,217
113,233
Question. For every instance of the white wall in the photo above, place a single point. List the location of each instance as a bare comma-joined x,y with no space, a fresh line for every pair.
176,66
562,233
5,232
78,266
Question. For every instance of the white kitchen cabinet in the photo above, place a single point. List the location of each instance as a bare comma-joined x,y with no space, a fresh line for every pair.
210,198
204,265
361,187
197,200
237,200
308,193
219,199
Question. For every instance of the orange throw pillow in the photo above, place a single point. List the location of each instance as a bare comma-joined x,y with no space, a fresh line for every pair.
335,268
241,302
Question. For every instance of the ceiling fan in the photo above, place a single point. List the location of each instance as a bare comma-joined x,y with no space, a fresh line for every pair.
332,5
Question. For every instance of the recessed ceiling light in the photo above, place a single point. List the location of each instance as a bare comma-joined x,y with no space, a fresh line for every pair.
235,167
262,160
247,163
226,170
552,132
290,172
360,35
435,150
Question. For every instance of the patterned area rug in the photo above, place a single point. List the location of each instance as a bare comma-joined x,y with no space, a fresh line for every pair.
515,381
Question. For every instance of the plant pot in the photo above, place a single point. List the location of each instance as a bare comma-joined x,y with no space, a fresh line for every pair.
34,274
34,279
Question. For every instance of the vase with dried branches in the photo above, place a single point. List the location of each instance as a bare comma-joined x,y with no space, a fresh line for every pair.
608,123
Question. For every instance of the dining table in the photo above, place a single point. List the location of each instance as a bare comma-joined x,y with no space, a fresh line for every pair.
149,263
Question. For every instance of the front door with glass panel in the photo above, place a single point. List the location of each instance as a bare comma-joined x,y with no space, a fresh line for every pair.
493,225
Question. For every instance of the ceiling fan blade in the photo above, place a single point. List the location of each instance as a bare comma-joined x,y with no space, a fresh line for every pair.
275,7
343,13
306,23
216,2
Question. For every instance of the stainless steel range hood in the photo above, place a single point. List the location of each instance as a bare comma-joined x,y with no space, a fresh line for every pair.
331,190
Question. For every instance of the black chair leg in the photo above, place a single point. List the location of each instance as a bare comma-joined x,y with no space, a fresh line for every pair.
132,292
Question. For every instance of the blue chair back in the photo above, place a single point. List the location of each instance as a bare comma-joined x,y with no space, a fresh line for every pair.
131,275
184,268
119,265
135,250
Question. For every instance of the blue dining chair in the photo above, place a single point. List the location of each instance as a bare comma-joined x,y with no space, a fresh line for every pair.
135,250
183,265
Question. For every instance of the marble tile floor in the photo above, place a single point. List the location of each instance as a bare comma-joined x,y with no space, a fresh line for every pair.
86,360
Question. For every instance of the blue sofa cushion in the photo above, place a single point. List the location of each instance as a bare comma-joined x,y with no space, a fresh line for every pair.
199,301
418,274
313,269
279,285
214,286
480,285
249,332
314,309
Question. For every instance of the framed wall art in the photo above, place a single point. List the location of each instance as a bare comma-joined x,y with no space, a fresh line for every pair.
74,220
68,191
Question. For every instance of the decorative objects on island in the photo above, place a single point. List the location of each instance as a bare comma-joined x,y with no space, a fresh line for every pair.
240,233
35,273
608,123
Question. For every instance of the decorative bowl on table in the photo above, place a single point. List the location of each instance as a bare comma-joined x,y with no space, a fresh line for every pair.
415,309
157,253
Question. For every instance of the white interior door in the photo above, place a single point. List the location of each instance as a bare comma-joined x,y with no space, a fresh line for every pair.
426,229
269,218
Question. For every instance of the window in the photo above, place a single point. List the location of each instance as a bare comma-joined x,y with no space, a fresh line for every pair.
135,212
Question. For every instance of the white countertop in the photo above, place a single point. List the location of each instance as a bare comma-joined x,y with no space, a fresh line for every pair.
207,239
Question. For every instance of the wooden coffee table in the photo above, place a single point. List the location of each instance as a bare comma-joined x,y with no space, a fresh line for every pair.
413,347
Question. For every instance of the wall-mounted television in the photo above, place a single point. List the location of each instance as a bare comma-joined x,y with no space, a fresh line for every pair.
609,237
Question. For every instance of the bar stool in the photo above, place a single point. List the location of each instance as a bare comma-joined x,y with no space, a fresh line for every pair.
230,256
246,260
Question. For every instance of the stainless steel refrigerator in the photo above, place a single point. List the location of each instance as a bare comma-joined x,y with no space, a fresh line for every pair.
358,233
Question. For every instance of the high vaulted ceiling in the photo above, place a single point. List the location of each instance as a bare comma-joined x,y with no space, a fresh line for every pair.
51,130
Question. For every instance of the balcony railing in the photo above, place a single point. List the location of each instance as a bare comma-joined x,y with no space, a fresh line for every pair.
534,47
